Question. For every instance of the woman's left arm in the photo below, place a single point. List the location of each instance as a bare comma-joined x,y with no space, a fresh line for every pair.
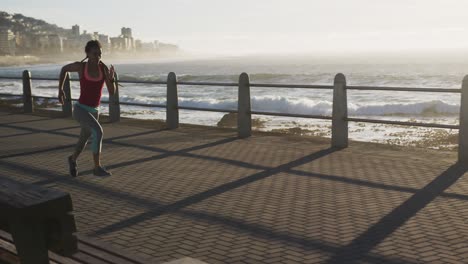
109,78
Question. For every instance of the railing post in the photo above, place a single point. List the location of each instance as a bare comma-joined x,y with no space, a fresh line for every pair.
340,113
67,106
463,131
114,103
244,116
172,102
27,95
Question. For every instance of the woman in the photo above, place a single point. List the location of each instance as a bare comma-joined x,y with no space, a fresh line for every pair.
93,73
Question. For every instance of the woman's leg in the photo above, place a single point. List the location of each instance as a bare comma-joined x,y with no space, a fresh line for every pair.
89,127
97,134
82,141
82,117
96,145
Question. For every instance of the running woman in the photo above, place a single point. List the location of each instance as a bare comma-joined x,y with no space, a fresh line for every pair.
93,73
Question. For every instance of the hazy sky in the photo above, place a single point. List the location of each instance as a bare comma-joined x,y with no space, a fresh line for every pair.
267,26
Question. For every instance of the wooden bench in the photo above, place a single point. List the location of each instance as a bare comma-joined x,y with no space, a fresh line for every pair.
38,227
38,220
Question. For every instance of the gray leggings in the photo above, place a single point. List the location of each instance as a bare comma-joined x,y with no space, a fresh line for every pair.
89,127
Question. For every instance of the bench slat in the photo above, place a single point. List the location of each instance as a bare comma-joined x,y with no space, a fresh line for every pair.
90,252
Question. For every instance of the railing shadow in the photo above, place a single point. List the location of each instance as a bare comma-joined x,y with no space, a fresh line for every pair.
49,177
17,135
370,184
257,230
297,240
357,250
165,153
185,152
434,188
214,191
27,121
364,243
57,132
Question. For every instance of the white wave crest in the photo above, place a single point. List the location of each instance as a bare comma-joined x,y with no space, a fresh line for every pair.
282,104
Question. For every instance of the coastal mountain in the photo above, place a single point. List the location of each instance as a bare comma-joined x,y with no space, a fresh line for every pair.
21,23
30,36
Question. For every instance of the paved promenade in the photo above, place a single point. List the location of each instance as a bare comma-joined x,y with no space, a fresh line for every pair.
202,193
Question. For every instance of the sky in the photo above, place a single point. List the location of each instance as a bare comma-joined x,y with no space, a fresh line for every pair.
269,26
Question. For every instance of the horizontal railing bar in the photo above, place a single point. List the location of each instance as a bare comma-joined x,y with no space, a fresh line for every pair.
11,78
147,82
305,86
46,79
44,97
50,79
5,94
144,105
207,109
404,89
291,115
76,80
34,78
311,86
402,123
208,83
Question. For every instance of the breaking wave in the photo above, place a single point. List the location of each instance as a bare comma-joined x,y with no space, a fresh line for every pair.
283,104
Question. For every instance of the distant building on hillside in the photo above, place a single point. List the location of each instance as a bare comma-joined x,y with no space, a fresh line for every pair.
118,44
72,45
125,42
44,40
7,42
26,43
85,37
55,44
105,42
147,47
76,42
76,31
126,32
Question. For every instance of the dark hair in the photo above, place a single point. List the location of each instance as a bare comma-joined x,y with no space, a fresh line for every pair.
91,44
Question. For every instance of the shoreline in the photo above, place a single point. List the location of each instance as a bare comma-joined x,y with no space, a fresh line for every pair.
27,60
15,61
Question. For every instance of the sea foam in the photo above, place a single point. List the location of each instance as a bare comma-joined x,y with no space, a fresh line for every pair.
281,104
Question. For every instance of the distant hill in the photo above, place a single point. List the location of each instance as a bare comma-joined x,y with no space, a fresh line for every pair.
36,37
21,23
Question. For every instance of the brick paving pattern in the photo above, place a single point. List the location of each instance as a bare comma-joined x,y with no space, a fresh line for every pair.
203,193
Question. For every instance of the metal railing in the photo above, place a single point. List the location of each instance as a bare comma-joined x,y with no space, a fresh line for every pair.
244,112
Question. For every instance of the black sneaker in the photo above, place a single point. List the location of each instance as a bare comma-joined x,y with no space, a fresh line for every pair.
101,171
73,167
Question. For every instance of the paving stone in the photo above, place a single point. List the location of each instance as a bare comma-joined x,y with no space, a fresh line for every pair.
202,193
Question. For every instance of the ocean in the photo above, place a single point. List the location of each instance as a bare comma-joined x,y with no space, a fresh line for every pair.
404,106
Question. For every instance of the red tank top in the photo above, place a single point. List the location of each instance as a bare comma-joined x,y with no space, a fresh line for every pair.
91,88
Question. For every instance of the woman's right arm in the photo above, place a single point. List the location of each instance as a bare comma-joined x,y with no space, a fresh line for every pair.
72,67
